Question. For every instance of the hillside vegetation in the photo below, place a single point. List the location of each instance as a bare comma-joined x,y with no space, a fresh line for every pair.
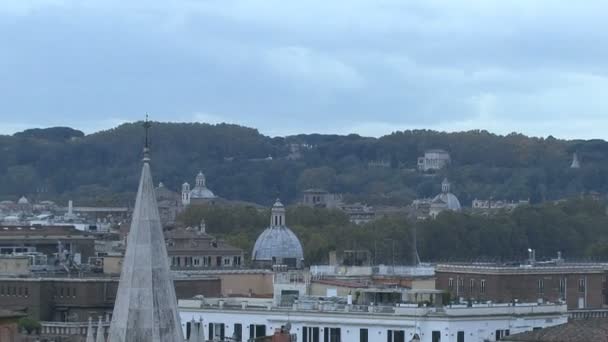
577,228
61,163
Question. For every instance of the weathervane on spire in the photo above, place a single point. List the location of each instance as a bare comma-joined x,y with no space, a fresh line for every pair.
146,144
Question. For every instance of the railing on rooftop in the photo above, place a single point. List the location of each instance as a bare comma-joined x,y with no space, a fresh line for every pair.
70,328
587,313
382,270
397,309
538,268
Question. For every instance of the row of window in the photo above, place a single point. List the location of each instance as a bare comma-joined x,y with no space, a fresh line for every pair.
472,284
540,285
205,261
216,332
24,291
582,284
16,291
66,292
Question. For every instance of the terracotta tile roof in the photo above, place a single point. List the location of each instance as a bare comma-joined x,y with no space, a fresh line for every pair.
584,330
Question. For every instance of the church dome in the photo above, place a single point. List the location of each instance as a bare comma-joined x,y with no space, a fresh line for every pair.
450,201
278,245
200,190
447,199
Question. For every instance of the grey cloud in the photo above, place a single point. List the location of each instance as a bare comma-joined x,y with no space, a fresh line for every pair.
306,66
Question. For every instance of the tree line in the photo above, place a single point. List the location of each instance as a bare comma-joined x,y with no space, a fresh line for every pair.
576,227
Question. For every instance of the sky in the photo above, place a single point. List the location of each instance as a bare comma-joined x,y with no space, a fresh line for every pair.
285,67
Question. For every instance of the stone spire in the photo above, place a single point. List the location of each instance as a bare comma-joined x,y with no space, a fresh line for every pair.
576,164
90,337
201,331
193,331
145,309
100,332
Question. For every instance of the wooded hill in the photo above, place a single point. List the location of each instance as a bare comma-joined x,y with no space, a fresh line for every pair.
62,163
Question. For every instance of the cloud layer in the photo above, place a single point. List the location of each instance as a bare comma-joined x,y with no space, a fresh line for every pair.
370,67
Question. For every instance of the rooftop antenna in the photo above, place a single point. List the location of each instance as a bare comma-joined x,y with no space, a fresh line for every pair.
146,125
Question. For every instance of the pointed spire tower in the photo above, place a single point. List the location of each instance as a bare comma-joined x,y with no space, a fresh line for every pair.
90,337
146,306
576,164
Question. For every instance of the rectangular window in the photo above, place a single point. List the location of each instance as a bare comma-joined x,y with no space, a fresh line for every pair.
460,336
500,334
471,285
541,286
395,336
363,335
216,331
451,283
257,330
482,286
27,291
310,334
20,291
332,335
238,332
436,336
562,287
226,261
74,292
581,285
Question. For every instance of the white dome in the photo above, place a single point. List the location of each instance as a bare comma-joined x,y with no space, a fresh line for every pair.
200,190
23,200
278,244
449,199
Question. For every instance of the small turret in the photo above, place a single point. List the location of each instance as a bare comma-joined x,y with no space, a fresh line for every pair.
277,217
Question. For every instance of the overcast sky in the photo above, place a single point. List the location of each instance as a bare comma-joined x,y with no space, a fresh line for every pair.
370,67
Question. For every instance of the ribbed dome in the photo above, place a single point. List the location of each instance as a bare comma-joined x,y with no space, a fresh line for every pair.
201,193
446,198
449,199
278,244
200,189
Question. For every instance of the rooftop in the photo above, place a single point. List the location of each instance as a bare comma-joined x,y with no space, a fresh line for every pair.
595,329
547,268
44,232
338,306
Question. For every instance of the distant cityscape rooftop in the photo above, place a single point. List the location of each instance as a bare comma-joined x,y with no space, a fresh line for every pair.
548,268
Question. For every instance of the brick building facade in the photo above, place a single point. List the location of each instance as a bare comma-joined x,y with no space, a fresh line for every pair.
76,299
579,285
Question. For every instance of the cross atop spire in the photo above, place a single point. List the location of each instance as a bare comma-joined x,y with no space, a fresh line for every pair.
146,125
